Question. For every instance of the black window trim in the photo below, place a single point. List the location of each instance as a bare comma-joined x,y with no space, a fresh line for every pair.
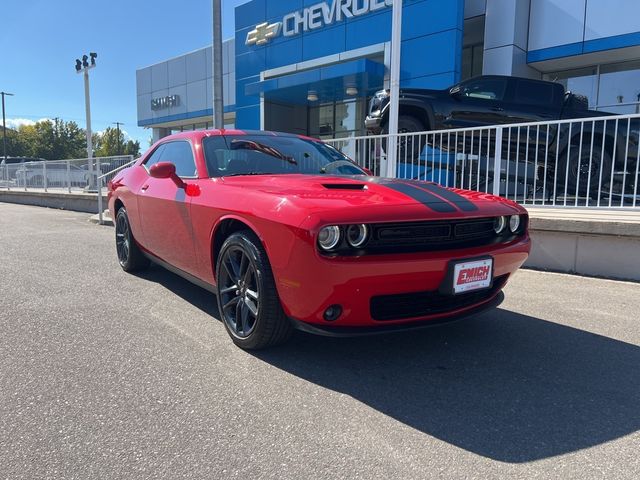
184,140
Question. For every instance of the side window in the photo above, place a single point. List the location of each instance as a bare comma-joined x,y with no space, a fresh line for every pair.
534,93
485,89
155,157
180,154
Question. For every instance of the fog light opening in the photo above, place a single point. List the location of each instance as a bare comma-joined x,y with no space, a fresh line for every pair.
332,313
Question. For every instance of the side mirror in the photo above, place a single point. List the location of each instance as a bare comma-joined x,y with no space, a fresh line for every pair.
166,170
455,91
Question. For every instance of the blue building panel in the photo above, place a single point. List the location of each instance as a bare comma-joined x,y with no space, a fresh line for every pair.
252,13
323,42
430,55
284,53
431,47
248,118
369,30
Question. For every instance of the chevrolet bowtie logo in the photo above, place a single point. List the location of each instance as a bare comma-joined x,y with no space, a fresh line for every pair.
263,33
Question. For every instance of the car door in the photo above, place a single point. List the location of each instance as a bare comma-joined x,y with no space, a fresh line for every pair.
479,102
165,209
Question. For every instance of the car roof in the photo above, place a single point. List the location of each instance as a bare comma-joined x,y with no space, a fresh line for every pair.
199,134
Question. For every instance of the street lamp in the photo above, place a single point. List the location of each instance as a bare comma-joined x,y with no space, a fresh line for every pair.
4,127
218,99
394,84
83,66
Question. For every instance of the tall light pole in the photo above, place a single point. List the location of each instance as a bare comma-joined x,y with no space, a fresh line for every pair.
396,39
218,100
83,67
117,124
4,127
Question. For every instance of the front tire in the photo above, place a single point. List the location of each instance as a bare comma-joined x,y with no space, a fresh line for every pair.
129,254
247,298
410,146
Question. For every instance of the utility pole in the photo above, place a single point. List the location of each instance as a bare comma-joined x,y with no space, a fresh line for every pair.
117,124
4,127
396,38
218,101
83,67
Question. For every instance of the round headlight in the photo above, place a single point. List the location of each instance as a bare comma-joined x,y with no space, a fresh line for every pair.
329,237
499,224
357,235
514,223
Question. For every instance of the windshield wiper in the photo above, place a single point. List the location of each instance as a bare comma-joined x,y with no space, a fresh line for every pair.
262,148
248,173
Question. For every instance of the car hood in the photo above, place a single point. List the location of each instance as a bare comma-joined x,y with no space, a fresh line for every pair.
365,199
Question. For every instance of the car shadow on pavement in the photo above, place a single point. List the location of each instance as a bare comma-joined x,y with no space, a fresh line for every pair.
503,385
196,296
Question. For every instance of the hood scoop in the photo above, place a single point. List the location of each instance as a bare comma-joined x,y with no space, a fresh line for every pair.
344,186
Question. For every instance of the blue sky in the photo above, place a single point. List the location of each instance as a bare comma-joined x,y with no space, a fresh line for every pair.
42,38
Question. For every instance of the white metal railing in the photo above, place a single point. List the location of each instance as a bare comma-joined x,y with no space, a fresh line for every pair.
105,178
586,162
59,175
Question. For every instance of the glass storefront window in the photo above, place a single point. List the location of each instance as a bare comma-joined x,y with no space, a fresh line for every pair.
613,88
581,81
472,58
619,90
472,47
337,120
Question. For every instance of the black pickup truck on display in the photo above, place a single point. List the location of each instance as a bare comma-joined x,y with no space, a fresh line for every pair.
480,101
493,100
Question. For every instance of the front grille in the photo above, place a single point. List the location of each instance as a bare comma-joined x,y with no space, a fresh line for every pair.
423,304
432,235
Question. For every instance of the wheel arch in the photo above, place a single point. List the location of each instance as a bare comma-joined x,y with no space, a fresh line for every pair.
224,227
413,108
117,205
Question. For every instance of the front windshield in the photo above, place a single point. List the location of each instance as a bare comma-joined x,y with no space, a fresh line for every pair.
233,155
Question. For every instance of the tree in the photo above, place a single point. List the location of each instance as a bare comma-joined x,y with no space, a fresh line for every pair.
52,140
15,144
109,144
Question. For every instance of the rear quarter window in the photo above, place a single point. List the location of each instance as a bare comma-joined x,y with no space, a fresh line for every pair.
534,93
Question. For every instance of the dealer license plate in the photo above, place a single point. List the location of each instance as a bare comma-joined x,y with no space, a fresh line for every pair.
473,275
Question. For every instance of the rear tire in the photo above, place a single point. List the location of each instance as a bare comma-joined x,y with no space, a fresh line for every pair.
248,301
579,171
129,254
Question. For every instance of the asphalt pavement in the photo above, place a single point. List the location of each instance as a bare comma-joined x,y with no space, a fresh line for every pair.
109,375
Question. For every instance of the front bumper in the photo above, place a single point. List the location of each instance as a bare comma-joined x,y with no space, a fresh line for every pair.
330,330
310,283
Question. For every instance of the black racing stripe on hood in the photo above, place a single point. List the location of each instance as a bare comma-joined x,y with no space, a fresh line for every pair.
458,200
427,199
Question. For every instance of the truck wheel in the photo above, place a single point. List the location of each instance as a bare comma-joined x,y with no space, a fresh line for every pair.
409,147
581,164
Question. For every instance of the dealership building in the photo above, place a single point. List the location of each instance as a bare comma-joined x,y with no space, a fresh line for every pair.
310,66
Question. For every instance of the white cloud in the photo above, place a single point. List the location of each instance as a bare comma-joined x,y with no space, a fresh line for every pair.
18,122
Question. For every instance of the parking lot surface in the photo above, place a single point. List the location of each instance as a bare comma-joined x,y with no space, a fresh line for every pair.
110,375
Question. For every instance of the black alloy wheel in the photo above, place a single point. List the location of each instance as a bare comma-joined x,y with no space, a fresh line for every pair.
248,301
239,291
129,254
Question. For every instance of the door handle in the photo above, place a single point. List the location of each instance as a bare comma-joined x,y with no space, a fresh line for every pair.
144,188
497,109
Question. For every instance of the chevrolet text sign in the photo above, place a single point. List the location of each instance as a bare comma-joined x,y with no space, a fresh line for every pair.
313,17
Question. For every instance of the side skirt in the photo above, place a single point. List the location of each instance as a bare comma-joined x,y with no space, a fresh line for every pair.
187,276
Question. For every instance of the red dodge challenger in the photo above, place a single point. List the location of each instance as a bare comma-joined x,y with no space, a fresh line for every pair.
290,233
